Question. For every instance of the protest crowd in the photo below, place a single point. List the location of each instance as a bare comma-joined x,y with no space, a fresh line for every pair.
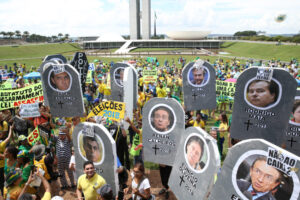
37,157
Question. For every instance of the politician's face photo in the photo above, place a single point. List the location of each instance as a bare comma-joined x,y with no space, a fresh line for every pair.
296,111
198,76
162,119
119,76
91,148
256,178
60,81
195,153
262,93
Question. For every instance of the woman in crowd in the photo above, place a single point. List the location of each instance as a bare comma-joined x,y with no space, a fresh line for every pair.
23,162
140,184
10,162
223,128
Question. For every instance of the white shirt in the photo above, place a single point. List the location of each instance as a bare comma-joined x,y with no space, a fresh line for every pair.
143,186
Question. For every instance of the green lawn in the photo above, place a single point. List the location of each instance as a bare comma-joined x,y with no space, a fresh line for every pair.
262,51
32,55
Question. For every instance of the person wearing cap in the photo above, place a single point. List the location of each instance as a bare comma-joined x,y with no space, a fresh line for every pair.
105,193
25,147
23,162
89,182
63,154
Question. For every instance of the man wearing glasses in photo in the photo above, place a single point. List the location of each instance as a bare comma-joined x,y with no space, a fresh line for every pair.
161,119
264,180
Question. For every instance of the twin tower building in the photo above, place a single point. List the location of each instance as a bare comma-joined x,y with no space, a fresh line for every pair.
135,16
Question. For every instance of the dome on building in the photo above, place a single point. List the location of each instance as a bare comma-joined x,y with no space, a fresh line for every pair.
187,35
109,37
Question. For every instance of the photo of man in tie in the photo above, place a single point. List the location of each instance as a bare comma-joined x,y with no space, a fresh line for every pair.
264,181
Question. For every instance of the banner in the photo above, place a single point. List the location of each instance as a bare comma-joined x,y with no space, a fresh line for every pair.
7,84
26,95
225,88
34,136
149,76
29,110
113,110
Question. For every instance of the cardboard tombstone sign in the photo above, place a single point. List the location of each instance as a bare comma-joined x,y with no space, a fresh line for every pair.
117,81
93,142
63,90
81,64
130,88
199,86
135,86
256,168
44,66
291,138
262,104
163,125
196,164
57,57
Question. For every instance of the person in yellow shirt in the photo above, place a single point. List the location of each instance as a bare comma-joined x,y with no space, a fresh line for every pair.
141,99
89,182
3,124
161,92
13,190
198,122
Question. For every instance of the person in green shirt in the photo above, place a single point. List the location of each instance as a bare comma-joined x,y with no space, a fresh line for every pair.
24,163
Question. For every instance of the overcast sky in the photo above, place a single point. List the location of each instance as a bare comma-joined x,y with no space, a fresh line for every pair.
96,17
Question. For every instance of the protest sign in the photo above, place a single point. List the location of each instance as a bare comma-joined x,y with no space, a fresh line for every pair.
34,136
81,64
44,135
43,67
257,168
225,88
261,107
129,93
110,109
92,66
149,76
93,142
63,90
7,84
89,78
26,95
29,110
199,86
291,138
196,165
116,79
163,125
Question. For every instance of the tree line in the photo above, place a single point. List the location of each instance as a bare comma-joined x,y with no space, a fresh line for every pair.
26,36
254,36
